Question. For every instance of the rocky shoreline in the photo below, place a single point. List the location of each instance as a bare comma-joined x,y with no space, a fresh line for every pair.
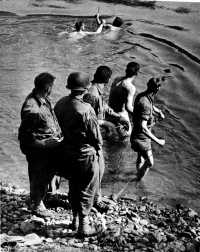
129,225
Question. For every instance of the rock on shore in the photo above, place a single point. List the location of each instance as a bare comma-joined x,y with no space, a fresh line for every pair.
129,225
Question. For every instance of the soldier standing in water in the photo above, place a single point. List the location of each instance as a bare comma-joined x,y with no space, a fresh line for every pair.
121,96
143,120
95,98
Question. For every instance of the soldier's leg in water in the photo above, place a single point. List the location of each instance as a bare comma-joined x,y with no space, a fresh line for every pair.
149,161
139,162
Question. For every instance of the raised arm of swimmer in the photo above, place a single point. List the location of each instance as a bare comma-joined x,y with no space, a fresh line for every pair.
117,22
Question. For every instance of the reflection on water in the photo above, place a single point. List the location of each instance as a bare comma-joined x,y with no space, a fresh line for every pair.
30,45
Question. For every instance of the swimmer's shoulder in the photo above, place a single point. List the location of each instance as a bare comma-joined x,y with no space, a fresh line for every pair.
76,35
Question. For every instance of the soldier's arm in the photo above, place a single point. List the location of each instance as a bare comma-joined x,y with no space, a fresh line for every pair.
31,120
148,133
116,116
110,111
158,111
92,100
93,130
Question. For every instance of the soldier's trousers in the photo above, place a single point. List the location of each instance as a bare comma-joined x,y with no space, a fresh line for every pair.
41,175
83,182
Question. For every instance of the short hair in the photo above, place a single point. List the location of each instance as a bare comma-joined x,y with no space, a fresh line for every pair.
117,22
78,25
102,74
43,79
154,84
132,69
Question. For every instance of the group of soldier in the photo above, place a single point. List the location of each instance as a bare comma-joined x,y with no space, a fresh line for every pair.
66,141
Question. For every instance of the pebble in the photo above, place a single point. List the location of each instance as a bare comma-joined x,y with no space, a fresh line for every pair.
94,247
144,222
142,208
10,233
192,213
78,245
49,240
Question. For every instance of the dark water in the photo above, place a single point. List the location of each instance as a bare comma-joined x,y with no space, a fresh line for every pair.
30,45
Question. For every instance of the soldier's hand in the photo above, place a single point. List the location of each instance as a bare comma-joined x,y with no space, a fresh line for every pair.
161,142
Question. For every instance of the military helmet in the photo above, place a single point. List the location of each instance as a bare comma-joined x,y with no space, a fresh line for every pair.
78,81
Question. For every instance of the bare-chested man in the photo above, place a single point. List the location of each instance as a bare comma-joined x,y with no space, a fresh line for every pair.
121,95
113,30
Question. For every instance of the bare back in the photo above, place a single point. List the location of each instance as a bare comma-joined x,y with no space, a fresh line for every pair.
121,95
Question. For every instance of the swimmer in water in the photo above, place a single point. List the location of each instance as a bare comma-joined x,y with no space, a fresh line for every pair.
114,30
115,26
80,31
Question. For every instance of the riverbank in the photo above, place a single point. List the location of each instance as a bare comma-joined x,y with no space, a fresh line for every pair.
129,225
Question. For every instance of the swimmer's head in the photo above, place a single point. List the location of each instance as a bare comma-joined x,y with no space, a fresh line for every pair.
117,22
132,69
79,25
102,75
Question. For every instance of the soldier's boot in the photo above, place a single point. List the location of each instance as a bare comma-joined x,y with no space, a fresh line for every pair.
40,210
101,206
84,229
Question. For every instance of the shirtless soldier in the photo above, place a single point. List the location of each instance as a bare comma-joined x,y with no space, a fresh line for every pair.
121,96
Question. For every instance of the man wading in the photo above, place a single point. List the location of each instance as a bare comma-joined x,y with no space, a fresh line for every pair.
143,120
82,143
121,96
40,137
95,98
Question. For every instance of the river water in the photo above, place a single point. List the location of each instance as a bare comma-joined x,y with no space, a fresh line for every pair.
163,45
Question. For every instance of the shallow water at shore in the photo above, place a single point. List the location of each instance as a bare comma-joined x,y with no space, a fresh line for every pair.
163,41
